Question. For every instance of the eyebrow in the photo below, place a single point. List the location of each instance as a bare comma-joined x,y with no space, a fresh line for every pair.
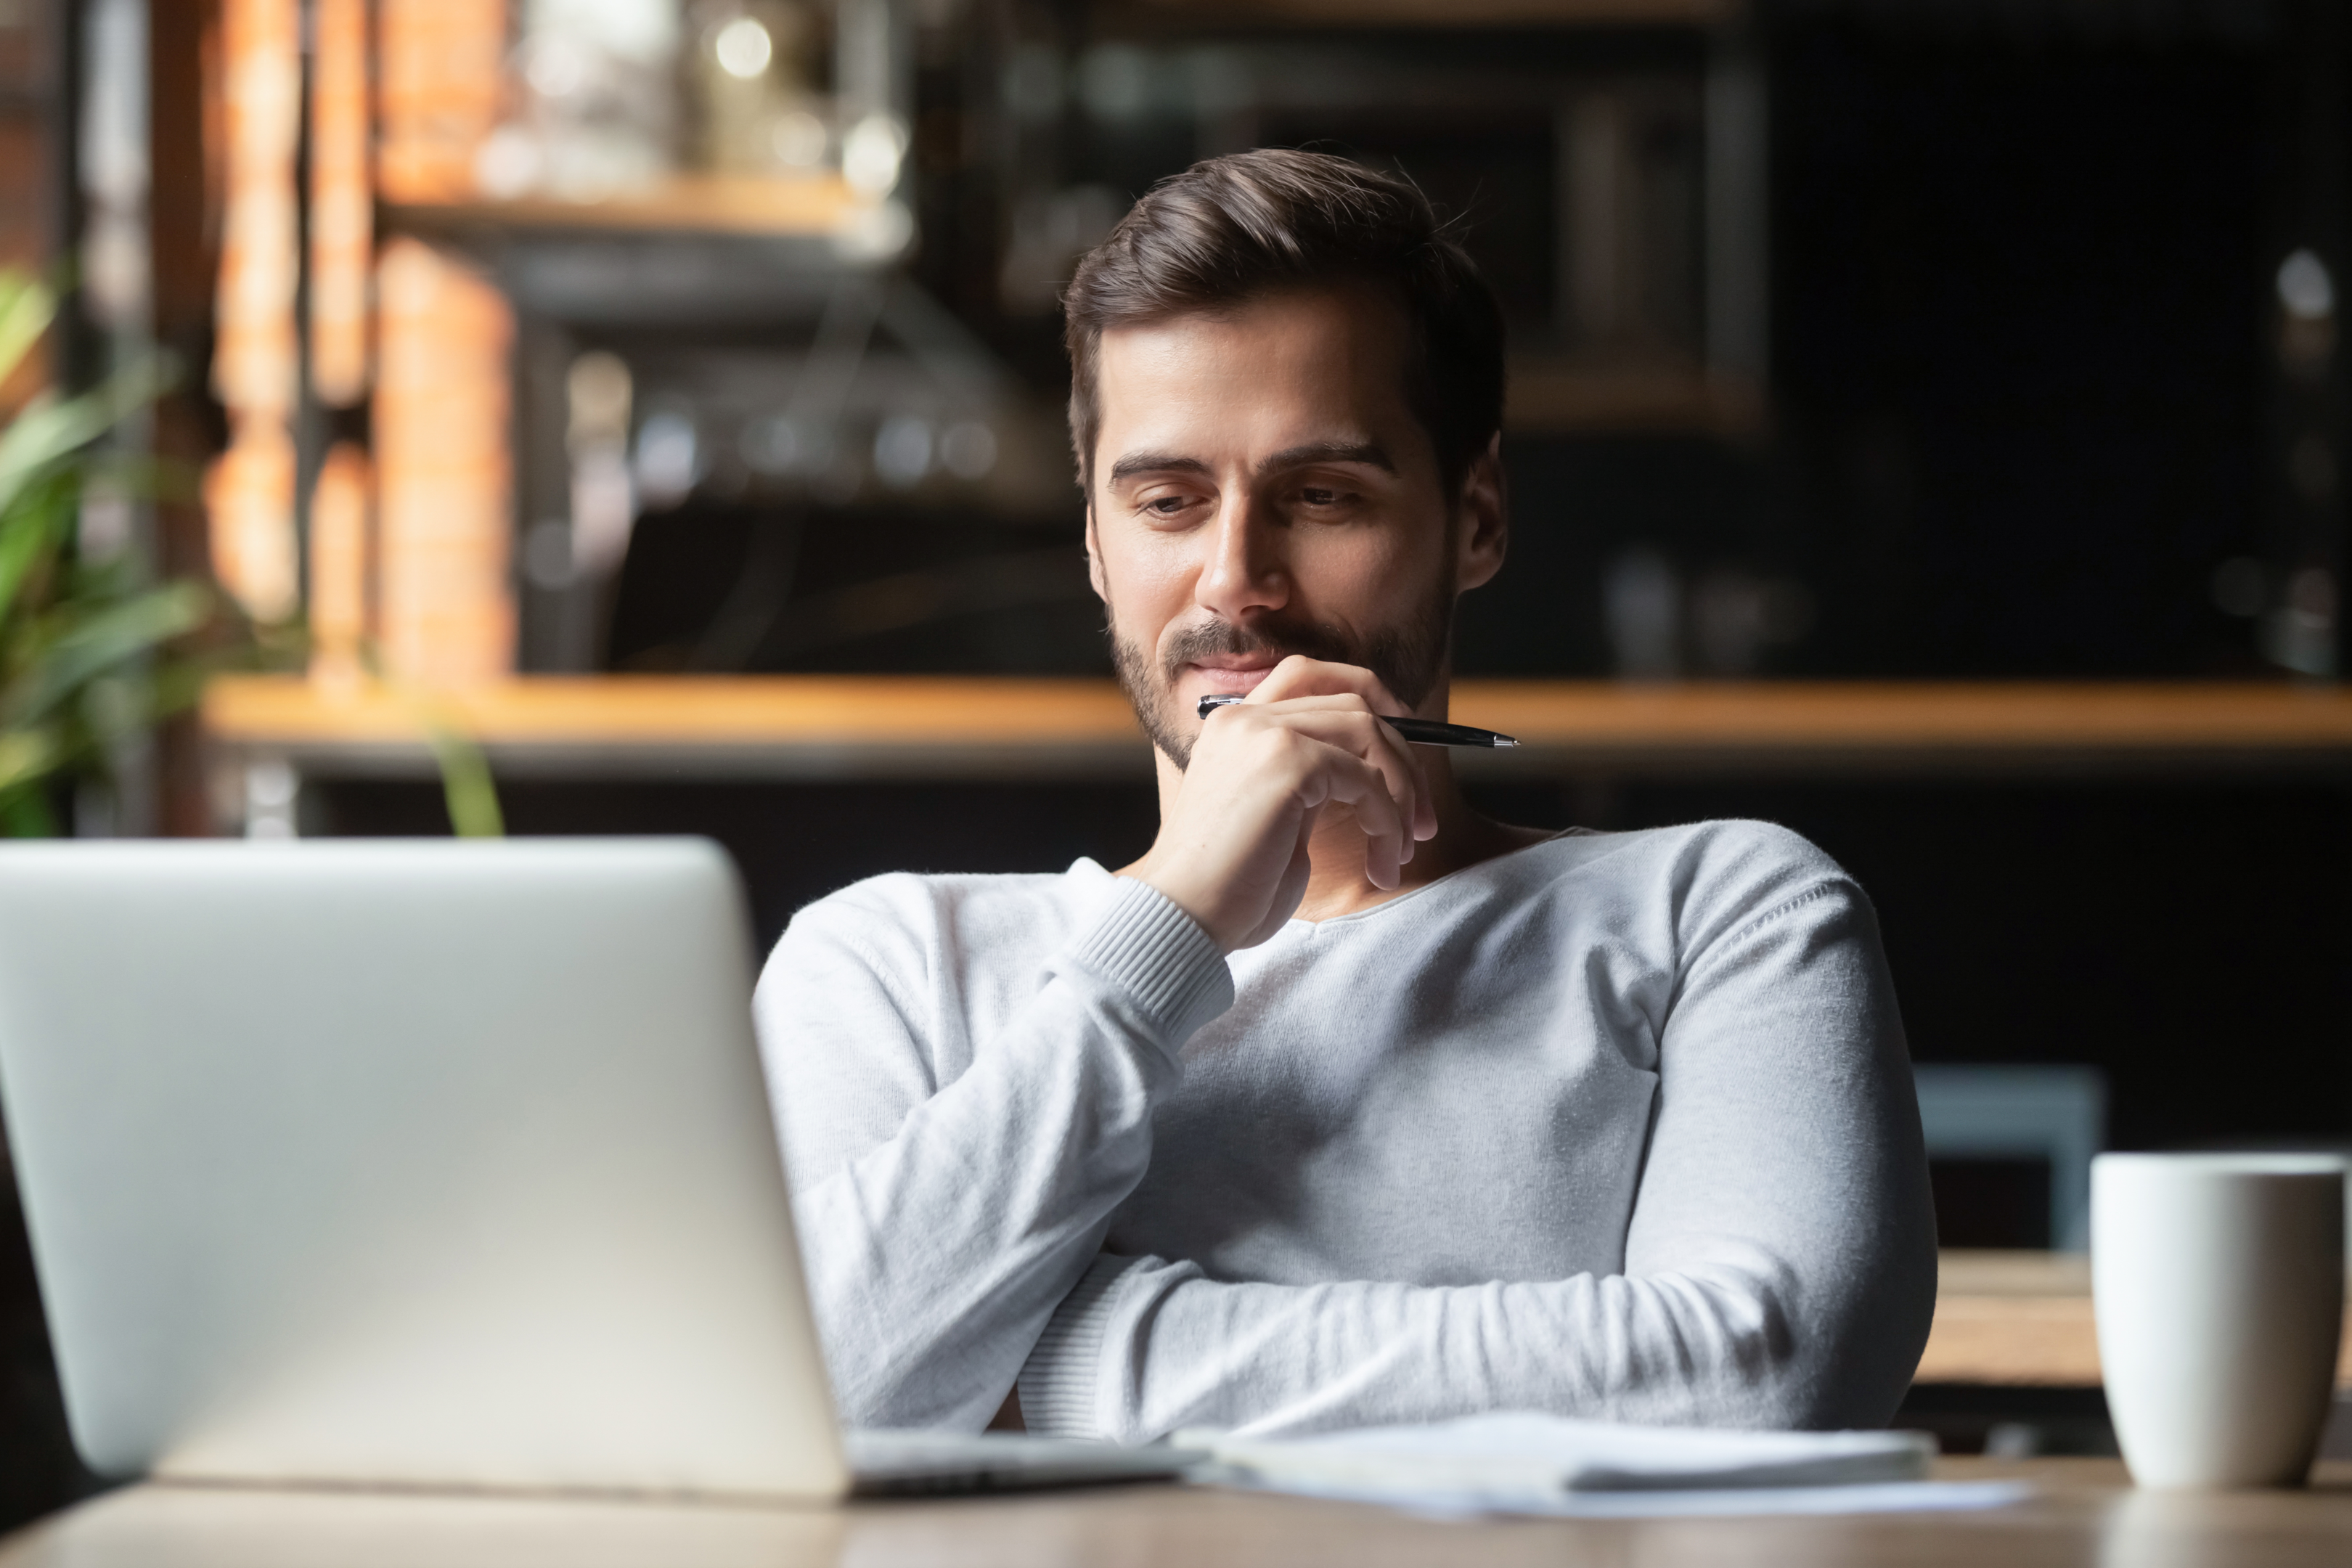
1155,463
1368,452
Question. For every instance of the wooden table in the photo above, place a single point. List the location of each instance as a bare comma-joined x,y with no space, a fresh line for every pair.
2013,1318
2086,1513
2024,1319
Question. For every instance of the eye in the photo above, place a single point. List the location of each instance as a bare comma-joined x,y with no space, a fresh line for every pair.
1165,506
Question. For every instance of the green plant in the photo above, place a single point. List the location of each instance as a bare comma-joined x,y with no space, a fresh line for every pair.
84,658
467,789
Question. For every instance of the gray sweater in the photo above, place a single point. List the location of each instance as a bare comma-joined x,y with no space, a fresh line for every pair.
1619,1125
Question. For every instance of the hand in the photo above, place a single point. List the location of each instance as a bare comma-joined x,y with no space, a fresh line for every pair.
1233,849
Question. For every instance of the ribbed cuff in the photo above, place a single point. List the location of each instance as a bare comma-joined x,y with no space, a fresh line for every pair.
1158,956
1060,1382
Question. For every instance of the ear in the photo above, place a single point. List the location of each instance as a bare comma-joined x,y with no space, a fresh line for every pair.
1094,558
1486,531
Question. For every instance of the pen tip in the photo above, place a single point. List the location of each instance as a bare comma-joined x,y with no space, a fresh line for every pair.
1505,741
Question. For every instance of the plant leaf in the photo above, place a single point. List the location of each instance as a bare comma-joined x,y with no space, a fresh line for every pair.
49,430
467,788
25,755
26,308
30,531
24,813
107,638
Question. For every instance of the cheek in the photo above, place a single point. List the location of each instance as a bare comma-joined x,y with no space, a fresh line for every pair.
1148,578
1367,568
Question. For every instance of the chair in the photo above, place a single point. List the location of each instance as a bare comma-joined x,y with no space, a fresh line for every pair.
2057,1114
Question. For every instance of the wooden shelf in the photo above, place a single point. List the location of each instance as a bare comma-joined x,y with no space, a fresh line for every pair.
1449,14
883,726
696,204
1554,397
785,726
1912,726
2024,1319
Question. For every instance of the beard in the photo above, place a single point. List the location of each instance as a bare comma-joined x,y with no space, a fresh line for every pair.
1409,659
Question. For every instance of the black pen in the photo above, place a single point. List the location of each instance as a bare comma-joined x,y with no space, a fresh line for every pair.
1420,731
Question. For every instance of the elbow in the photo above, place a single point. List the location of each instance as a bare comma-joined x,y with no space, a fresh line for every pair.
1767,1349
1868,1335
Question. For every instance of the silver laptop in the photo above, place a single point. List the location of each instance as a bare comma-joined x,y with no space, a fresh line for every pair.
425,1163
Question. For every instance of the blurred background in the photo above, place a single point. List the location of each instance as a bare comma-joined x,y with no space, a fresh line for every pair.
624,355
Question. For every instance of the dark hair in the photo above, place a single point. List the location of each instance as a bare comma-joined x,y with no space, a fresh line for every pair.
1230,229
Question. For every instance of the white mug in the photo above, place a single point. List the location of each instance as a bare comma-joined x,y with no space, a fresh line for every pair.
2218,1281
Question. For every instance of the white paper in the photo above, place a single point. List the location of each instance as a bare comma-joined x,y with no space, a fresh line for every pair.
1525,1462
1525,1453
1897,1497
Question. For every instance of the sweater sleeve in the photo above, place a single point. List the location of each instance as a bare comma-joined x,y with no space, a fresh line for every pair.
1778,1271
939,1223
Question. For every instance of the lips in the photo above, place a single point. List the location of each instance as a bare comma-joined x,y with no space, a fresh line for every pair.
1238,676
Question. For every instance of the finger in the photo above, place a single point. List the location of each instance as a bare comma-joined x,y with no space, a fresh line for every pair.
1399,767
1343,723
1341,778
1299,676
1311,678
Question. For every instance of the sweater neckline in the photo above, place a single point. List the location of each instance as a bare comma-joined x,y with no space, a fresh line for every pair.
1493,862
1096,873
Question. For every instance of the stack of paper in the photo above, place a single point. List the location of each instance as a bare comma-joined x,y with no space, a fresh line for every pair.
1523,1462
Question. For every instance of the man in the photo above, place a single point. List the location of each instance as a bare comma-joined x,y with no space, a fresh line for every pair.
1343,1105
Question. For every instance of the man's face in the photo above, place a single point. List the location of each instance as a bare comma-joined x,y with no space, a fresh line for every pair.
1262,488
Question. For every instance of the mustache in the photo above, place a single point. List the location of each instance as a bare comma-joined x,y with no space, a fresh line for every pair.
1214,638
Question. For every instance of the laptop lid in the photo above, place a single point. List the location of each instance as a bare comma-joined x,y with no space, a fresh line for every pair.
418,1163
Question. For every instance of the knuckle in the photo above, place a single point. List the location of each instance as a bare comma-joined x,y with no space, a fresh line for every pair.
1279,744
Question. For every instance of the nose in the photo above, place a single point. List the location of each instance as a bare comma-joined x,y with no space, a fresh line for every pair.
1245,571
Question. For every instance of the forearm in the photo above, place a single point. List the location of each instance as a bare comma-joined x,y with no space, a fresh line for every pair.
935,1255
1146,1348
